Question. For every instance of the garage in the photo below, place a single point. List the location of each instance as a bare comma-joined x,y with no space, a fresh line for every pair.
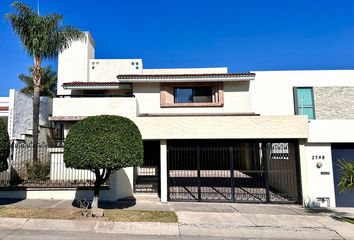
339,152
233,171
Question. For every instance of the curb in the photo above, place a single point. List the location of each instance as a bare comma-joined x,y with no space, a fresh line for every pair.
145,228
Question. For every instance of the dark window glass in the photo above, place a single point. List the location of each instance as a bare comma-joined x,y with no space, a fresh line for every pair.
202,94
193,95
183,95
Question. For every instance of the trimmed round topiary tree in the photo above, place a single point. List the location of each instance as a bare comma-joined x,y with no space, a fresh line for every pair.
4,146
103,144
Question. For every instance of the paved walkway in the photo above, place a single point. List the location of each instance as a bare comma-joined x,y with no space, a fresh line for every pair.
207,219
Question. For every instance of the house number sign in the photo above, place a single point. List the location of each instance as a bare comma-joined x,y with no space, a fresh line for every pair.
318,157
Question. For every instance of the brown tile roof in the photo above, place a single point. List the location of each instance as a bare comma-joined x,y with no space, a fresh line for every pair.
75,84
158,76
4,108
178,76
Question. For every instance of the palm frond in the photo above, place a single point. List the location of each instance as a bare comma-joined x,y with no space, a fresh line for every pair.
346,181
43,37
48,82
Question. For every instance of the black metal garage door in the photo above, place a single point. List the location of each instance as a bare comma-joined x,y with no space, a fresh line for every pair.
243,173
342,151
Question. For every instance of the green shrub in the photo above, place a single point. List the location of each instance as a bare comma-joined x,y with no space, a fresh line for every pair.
346,181
103,144
37,170
4,146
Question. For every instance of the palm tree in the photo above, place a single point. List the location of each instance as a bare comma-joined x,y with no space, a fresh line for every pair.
48,82
346,181
43,37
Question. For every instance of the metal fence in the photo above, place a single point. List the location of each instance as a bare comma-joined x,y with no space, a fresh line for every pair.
232,174
48,171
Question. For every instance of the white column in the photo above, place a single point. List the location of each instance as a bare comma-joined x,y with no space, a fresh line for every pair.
163,170
304,172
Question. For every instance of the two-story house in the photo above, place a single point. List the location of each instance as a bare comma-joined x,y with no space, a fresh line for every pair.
211,135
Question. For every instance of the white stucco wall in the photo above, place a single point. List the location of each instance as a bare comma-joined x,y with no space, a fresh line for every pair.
331,131
106,70
4,101
319,180
272,91
185,70
236,100
73,63
94,106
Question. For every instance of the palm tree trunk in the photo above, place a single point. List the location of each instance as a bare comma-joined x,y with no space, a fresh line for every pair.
36,74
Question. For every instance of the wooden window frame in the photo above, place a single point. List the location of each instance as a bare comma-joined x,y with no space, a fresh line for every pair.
167,95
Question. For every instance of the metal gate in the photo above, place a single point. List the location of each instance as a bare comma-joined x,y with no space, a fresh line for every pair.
147,176
256,173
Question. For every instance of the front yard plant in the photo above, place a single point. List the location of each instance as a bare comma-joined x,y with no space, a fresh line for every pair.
37,170
103,144
346,181
4,146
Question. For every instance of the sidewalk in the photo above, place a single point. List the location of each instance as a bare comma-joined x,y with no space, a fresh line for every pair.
201,219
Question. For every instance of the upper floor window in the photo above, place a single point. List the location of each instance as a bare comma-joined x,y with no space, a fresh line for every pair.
193,94
304,102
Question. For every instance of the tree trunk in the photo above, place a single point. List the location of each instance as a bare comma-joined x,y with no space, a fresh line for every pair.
96,189
37,75
101,178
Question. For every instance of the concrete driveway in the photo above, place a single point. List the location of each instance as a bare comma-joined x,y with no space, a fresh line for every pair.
259,221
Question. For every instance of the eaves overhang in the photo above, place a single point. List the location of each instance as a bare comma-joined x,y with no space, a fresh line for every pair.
211,77
96,85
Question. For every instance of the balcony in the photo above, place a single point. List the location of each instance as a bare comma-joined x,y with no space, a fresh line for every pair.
91,106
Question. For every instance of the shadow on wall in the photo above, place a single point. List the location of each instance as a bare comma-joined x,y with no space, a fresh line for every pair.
122,183
118,195
8,197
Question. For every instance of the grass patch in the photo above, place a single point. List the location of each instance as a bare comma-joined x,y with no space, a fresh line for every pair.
345,219
72,214
139,216
45,213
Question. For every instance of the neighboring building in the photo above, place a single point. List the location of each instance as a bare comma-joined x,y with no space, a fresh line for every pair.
16,112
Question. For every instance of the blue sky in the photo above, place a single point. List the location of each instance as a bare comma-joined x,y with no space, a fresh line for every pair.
241,35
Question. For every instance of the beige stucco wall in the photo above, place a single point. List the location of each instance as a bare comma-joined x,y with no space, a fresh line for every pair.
236,100
94,106
218,127
225,127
